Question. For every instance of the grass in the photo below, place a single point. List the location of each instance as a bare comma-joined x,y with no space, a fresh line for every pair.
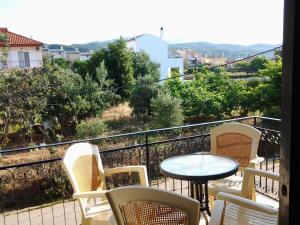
121,111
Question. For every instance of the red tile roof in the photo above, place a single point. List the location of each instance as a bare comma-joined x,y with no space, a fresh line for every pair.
18,40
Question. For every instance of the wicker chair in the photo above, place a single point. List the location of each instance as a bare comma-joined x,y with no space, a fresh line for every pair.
234,210
240,142
83,165
152,206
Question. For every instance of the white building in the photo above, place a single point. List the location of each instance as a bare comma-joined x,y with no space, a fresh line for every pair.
55,52
157,49
67,53
23,52
86,55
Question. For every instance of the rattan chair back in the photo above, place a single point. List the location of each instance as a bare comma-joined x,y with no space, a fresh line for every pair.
236,140
151,206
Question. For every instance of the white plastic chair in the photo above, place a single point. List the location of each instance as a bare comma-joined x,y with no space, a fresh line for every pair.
240,142
234,210
83,165
152,206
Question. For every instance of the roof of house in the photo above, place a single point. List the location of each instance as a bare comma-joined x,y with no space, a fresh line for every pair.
15,40
135,37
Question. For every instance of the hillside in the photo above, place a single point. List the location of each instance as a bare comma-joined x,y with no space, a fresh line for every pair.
228,50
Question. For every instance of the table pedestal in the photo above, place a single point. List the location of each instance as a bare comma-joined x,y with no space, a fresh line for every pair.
199,191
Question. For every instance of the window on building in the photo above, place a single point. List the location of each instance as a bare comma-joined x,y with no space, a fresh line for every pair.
23,59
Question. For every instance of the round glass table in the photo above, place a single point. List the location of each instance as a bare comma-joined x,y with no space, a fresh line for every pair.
199,168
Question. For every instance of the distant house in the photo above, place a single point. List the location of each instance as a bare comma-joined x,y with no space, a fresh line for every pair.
157,49
54,51
66,52
23,52
86,55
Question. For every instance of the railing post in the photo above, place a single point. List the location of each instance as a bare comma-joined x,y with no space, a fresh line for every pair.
254,121
147,156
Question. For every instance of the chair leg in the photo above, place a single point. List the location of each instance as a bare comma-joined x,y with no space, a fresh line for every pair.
211,199
86,221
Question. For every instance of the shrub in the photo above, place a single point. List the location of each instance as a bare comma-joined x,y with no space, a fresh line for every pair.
90,128
140,99
166,111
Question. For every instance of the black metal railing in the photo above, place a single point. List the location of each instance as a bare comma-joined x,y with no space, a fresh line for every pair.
32,181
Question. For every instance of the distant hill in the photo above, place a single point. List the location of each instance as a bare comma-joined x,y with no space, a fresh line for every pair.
82,47
228,50
92,45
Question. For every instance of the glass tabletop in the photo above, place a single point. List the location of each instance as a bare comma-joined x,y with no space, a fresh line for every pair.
203,166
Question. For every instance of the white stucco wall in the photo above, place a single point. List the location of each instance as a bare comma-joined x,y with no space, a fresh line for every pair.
35,56
57,53
73,56
157,49
85,56
176,63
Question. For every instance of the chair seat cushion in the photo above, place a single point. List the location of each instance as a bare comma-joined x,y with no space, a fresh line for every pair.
232,184
235,214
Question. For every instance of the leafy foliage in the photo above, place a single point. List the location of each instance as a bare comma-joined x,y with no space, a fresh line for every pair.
208,96
4,41
269,91
256,64
166,110
142,65
52,95
140,99
90,128
118,61
23,97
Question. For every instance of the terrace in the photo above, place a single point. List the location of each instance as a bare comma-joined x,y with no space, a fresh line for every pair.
37,191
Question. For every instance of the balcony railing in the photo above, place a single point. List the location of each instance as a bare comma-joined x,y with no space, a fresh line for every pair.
38,189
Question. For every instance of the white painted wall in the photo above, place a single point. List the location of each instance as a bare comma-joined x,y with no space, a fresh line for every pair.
85,56
72,56
57,53
157,49
35,56
176,63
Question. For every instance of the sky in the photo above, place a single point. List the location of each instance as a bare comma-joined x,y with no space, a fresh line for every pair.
80,21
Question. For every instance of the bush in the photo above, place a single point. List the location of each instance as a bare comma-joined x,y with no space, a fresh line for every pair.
166,111
90,128
140,99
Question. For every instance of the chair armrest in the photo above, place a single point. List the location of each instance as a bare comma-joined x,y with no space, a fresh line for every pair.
90,194
128,169
246,203
256,161
217,213
262,173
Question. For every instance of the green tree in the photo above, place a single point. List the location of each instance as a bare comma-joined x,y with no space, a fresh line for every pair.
166,111
80,67
140,99
98,93
23,99
118,61
143,65
256,64
90,129
94,62
210,95
4,44
61,62
269,92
